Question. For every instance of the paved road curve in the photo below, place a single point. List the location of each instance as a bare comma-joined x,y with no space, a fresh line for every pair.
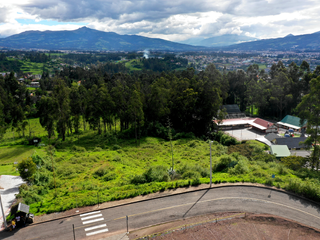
142,214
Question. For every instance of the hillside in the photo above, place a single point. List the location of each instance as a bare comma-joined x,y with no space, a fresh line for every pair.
219,41
89,39
289,42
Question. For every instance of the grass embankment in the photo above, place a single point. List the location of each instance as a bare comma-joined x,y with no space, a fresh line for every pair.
88,166
134,65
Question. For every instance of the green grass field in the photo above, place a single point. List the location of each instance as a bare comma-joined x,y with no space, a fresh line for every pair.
134,65
115,168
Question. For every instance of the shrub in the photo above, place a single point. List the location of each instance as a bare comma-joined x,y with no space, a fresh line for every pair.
269,182
100,171
240,168
97,149
138,179
78,149
282,169
157,174
227,140
225,162
116,147
110,176
191,175
27,169
153,174
294,162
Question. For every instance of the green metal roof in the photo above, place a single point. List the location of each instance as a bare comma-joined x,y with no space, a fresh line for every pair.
293,121
280,150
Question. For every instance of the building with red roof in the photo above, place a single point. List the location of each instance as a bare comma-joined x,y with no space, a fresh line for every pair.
263,125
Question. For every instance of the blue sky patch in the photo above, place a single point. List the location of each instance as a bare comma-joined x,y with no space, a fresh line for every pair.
49,22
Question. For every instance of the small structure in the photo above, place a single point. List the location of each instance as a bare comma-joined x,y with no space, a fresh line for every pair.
272,137
291,122
34,141
293,143
280,150
264,126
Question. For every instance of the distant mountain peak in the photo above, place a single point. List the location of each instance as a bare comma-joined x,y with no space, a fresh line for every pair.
290,35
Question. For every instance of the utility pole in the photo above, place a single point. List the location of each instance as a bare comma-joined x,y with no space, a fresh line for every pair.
3,216
210,165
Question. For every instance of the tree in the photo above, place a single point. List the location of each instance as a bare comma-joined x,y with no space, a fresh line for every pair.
47,114
27,169
280,94
309,109
136,110
60,96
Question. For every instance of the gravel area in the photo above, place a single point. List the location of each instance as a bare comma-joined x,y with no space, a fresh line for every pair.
10,187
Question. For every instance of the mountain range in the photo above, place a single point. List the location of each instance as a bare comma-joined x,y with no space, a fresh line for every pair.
219,41
89,39
287,43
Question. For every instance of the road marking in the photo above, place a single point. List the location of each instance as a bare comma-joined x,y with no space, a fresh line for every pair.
85,214
95,227
96,232
94,220
93,216
217,199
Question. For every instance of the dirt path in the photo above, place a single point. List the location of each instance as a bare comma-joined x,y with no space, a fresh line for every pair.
10,187
231,226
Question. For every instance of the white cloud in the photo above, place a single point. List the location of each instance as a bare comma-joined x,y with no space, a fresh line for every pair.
172,20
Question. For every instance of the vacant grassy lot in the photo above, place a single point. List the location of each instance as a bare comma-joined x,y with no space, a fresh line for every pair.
88,167
134,65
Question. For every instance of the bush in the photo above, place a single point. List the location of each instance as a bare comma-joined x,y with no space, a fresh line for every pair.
27,169
97,149
100,171
225,162
269,182
191,175
116,147
110,176
78,149
240,168
153,174
294,162
227,140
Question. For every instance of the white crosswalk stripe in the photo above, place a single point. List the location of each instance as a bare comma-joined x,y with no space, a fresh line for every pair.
95,227
93,217
96,232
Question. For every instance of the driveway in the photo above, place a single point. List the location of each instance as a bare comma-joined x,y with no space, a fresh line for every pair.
10,185
245,134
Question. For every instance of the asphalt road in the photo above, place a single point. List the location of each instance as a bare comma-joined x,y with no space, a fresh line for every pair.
174,207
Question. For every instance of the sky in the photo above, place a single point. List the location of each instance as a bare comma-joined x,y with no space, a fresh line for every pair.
174,20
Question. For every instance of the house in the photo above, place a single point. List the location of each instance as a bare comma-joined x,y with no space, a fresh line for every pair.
272,137
264,126
280,150
292,122
293,143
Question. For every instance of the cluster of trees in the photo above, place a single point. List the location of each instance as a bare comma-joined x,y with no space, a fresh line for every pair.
168,63
37,57
15,104
190,101
107,93
275,94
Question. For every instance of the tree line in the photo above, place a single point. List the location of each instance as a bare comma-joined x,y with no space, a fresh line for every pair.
142,102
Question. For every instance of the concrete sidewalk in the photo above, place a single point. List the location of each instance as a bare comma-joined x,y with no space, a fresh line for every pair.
10,185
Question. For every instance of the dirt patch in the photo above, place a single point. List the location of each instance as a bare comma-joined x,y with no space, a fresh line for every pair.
229,226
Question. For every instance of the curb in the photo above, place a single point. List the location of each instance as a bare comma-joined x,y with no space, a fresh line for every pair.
180,193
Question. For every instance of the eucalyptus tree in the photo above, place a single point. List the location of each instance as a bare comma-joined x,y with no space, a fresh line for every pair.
309,109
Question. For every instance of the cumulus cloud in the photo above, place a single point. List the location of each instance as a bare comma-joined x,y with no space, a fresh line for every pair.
172,20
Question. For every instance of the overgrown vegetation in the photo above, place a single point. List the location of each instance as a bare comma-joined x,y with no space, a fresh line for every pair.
75,171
